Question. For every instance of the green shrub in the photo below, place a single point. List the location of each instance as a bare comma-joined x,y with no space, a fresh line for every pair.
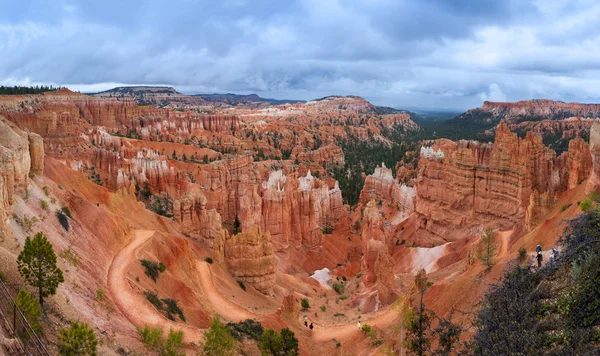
172,308
100,294
152,269
208,260
241,284
154,300
522,255
323,308
586,205
79,339
248,328
44,204
338,288
359,275
31,310
305,304
565,207
153,340
365,328
219,340
46,190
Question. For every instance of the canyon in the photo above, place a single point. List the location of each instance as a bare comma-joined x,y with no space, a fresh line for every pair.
249,187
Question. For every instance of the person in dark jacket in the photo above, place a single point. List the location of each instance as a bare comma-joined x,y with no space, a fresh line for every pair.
539,257
311,326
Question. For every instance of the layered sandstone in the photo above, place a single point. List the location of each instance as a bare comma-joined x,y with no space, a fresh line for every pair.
382,187
466,185
594,181
296,210
249,257
324,156
376,263
20,154
190,212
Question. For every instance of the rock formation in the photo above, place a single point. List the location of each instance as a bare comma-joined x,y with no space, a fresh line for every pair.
297,209
376,263
248,256
20,154
326,155
465,186
382,187
194,218
594,181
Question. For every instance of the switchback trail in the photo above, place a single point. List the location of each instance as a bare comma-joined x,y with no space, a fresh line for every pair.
133,305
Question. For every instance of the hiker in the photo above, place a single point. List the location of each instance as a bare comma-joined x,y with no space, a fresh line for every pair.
305,321
539,257
358,325
311,326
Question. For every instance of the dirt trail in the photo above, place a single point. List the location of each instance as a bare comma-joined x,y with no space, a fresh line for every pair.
223,306
344,331
139,312
132,304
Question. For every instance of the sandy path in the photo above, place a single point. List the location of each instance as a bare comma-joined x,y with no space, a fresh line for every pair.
344,331
223,306
133,305
139,312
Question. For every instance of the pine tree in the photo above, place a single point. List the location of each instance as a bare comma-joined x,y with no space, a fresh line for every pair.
290,343
31,309
219,341
78,340
488,248
417,340
37,263
271,343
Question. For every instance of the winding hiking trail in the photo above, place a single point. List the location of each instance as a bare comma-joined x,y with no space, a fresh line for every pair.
134,306
344,331
223,306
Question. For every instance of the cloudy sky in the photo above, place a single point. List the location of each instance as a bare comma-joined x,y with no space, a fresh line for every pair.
420,53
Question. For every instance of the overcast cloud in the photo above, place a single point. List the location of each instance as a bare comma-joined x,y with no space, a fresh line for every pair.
421,53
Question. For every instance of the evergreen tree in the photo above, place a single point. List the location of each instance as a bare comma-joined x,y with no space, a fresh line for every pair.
487,248
219,341
37,263
290,343
153,339
271,343
78,340
418,340
31,309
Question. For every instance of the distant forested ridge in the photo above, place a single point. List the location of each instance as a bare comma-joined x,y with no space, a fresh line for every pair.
19,90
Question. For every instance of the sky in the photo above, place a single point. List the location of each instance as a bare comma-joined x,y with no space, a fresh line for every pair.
422,53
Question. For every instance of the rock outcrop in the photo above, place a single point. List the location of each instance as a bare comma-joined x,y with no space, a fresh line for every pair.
324,156
20,154
382,187
376,263
249,257
296,210
466,186
594,181
195,219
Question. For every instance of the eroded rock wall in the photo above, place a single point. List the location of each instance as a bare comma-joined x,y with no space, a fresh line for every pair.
248,256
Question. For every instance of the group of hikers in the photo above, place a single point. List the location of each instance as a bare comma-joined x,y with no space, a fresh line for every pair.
311,326
540,257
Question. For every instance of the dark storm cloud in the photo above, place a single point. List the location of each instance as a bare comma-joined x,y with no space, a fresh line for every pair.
396,52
